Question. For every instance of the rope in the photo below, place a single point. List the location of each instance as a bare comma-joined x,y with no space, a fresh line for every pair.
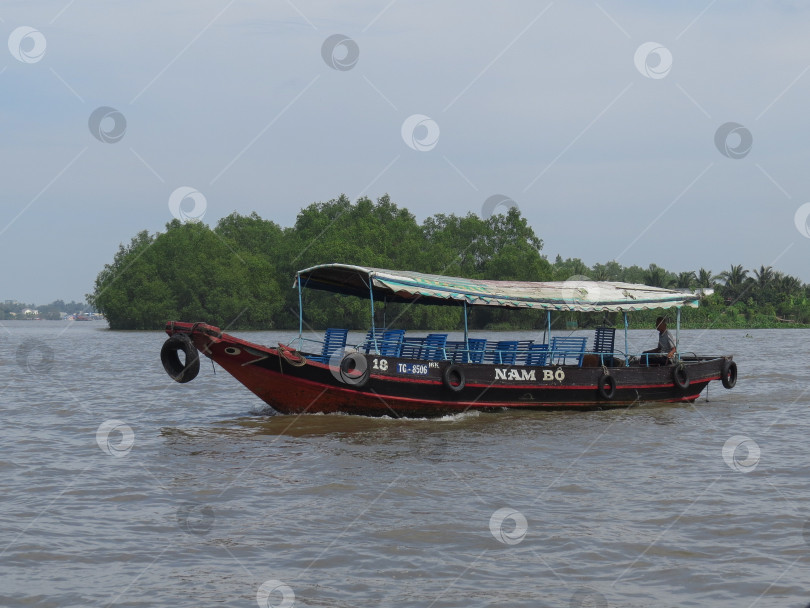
293,357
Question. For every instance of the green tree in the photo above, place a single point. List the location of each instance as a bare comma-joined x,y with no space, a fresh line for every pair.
655,276
686,280
239,274
734,280
611,271
705,278
570,267
186,273
763,277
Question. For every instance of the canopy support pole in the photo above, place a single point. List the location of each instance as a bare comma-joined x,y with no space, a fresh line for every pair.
466,343
300,316
678,333
626,347
548,324
373,329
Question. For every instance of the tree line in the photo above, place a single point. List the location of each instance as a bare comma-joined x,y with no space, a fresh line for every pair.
11,309
239,274
741,298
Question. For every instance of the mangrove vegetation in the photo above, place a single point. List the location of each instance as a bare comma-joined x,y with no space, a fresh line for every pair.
239,274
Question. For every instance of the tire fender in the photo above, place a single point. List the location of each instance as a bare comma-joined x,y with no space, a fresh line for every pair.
729,374
609,392
171,360
680,376
354,370
453,378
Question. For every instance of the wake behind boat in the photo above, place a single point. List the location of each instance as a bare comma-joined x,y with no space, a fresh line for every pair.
395,373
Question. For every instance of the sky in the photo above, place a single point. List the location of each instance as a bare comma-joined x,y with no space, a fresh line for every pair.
642,132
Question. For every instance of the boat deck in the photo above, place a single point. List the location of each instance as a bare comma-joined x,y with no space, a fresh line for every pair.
562,350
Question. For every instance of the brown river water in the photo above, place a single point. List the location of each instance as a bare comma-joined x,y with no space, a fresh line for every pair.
123,488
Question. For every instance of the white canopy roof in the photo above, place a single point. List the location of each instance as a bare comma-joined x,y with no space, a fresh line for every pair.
408,286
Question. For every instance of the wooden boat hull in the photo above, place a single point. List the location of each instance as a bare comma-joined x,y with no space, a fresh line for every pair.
390,386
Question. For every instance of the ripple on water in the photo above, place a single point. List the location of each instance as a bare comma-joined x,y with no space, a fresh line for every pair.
217,495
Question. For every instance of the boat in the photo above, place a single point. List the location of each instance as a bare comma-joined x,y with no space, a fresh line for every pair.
399,374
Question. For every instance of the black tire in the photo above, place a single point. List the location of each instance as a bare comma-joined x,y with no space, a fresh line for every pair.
729,374
453,378
354,370
609,393
171,360
680,376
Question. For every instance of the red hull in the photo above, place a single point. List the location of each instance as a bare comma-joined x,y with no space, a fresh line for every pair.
291,384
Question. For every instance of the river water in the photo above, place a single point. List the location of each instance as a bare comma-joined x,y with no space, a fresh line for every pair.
123,488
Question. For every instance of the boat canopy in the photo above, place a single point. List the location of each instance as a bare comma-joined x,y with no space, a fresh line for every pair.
408,286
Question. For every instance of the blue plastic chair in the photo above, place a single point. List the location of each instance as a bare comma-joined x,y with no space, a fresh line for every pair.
391,345
537,354
334,340
504,353
523,349
507,350
389,342
562,348
603,344
368,344
411,348
475,350
455,351
434,347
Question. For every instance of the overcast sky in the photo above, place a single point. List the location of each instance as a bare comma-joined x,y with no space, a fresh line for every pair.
605,122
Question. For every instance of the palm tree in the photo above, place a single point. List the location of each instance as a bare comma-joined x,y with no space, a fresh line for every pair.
655,276
787,284
764,276
611,271
734,277
564,269
685,280
734,280
705,278
600,273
